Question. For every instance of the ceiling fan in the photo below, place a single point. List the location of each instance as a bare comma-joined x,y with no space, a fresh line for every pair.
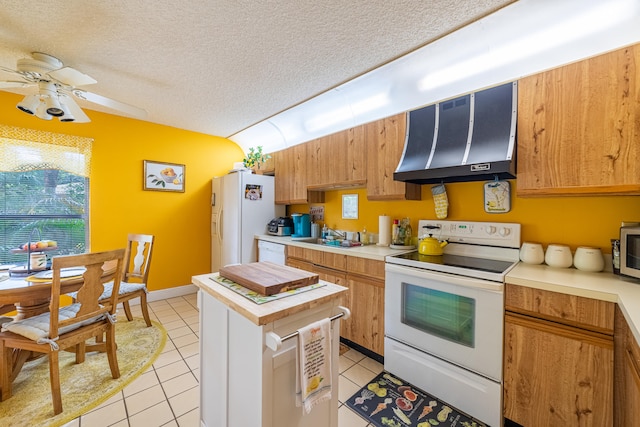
56,86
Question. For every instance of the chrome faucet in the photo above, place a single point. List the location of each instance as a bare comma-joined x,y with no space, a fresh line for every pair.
341,235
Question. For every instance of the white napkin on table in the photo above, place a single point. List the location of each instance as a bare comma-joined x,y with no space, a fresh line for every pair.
313,373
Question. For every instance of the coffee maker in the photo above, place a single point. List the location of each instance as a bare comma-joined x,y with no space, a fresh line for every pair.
301,225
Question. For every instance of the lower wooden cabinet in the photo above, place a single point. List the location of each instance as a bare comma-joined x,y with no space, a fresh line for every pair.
627,375
558,359
556,375
365,299
366,325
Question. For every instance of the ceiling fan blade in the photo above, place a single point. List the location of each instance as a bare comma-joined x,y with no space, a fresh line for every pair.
75,110
10,71
10,84
110,103
71,77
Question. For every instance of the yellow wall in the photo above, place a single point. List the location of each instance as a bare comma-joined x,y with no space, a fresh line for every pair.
118,205
576,221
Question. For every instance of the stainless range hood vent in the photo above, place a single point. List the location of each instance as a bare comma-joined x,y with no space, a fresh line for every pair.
470,138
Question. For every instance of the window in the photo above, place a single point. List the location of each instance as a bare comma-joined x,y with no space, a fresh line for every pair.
44,192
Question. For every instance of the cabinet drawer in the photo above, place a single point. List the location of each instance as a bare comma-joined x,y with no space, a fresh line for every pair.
302,265
367,267
586,313
305,254
335,261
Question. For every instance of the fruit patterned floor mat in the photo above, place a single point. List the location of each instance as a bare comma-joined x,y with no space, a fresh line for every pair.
391,402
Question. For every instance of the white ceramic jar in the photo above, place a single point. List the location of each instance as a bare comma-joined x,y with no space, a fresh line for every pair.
588,259
531,253
558,256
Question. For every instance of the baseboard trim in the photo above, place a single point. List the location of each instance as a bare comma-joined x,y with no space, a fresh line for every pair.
162,294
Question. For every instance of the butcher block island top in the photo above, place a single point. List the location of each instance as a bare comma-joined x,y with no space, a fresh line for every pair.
262,314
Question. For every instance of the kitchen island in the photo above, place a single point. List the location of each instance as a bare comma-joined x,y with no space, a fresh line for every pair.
247,374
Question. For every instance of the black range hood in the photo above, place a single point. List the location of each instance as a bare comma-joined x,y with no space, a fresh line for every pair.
470,138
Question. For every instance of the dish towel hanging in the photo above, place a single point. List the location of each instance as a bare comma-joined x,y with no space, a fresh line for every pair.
313,375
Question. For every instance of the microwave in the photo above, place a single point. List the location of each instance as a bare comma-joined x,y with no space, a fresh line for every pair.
630,251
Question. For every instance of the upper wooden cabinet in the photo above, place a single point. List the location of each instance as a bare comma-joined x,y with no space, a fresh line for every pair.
579,127
365,155
385,143
337,160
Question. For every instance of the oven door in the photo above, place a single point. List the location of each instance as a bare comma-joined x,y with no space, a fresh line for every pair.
452,317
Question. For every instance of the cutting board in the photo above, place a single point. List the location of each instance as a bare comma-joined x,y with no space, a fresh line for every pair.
267,278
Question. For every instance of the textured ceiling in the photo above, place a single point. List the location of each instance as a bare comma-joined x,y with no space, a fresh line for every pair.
219,66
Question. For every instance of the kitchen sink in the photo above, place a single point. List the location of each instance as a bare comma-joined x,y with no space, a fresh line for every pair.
338,243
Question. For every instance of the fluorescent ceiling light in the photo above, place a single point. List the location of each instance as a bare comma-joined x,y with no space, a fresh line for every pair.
561,33
524,38
345,113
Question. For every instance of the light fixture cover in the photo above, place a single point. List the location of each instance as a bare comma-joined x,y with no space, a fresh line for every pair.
29,104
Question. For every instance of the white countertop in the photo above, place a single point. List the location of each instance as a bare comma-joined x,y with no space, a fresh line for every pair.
374,252
604,286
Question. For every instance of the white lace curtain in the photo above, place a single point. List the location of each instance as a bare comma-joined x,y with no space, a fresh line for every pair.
28,149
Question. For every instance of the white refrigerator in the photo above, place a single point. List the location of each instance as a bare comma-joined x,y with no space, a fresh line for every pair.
242,204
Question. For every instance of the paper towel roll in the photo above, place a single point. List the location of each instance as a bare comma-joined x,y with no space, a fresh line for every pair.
384,230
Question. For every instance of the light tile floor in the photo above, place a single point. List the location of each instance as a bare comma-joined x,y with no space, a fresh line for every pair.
168,393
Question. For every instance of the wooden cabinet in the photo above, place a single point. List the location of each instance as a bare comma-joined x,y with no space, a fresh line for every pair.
289,187
558,359
579,126
627,374
385,144
366,325
337,160
290,182
365,298
365,155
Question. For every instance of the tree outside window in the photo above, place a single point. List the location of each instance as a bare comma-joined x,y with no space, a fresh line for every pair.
44,188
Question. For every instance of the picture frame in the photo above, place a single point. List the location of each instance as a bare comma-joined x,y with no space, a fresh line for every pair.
349,206
163,176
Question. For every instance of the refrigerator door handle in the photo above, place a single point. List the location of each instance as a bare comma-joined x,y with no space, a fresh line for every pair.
213,202
219,225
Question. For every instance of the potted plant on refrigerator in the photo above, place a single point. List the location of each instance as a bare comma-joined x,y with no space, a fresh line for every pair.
254,158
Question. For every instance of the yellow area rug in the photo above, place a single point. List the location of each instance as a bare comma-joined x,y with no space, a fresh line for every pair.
84,386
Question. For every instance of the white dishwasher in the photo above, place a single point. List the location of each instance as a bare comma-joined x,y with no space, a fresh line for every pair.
272,252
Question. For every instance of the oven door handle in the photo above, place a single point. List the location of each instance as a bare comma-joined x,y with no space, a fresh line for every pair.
454,279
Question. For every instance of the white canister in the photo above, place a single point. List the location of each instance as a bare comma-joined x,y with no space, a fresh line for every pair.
315,230
588,259
558,256
37,261
531,253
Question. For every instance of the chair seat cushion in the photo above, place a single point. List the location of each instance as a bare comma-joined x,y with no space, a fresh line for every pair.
125,288
37,327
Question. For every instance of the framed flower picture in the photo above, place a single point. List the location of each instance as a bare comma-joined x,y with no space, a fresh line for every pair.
163,176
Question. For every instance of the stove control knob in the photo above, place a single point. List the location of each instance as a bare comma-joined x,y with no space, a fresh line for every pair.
504,231
491,229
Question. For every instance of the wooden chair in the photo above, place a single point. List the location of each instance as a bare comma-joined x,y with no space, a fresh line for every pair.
134,275
71,326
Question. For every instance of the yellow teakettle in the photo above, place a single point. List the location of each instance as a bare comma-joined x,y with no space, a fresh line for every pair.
431,246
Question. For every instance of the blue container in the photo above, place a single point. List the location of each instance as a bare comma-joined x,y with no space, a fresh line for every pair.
301,225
